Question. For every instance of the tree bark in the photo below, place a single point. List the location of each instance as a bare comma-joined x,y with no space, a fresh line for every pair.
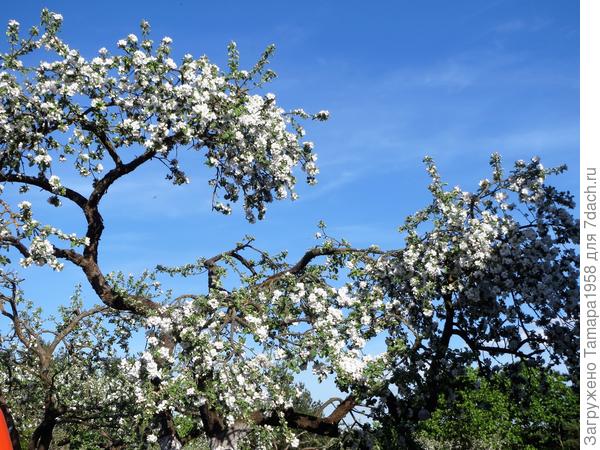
229,438
169,442
168,438
42,436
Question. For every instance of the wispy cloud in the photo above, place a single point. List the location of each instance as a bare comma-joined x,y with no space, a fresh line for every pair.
449,74
152,194
520,25
365,234
332,183
563,139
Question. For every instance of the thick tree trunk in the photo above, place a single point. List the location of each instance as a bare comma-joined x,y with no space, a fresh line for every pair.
230,438
169,443
168,438
220,435
42,436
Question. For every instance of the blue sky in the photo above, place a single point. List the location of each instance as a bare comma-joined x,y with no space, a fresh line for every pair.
402,79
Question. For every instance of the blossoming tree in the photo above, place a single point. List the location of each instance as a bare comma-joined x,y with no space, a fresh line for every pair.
65,374
483,277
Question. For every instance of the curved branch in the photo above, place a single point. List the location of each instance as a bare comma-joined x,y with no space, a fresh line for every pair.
211,263
91,212
17,244
104,140
324,426
476,347
72,324
14,314
315,252
44,183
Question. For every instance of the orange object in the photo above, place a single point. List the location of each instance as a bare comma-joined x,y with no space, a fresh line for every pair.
5,443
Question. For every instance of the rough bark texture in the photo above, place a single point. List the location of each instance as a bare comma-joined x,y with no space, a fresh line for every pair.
169,443
42,436
230,438
168,438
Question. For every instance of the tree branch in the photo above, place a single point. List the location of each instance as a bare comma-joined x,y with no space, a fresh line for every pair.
104,140
326,426
476,347
16,243
72,324
313,253
44,183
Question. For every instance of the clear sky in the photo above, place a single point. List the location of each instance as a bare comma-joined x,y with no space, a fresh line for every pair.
402,79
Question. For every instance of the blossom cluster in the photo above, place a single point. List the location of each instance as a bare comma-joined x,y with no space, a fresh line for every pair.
139,100
243,361
495,263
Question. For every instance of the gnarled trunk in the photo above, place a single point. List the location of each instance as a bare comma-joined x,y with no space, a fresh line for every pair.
42,436
169,443
167,438
229,438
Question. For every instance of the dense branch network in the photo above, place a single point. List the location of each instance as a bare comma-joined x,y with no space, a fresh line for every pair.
484,278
